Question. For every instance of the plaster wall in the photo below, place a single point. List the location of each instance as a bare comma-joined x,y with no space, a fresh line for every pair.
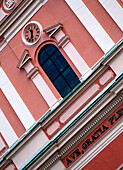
116,63
110,158
29,148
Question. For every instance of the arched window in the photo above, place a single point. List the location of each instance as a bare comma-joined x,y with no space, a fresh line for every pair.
57,69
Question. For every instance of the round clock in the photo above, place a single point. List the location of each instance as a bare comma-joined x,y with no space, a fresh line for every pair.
32,33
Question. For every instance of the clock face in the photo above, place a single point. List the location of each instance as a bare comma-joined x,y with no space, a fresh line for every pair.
32,33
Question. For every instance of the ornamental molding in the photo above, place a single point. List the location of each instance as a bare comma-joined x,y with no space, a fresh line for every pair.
93,151
73,97
23,140
94,123
24,60
59,151
112,97
63,41
9,5
53,30
98,146
32,73
83,87
113,53
94,114
19,17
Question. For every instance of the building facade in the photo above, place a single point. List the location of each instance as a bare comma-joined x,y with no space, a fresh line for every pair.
61,84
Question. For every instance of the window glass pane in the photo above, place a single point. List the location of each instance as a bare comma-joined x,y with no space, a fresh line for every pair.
50,49
42,57
57,69
59,60
61,86
70,77
50,69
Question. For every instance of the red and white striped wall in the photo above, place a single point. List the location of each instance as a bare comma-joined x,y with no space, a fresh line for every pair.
94,27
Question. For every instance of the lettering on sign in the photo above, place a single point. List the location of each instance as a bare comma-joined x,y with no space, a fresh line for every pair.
92,138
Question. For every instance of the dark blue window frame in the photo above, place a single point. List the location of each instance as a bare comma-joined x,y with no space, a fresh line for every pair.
57,69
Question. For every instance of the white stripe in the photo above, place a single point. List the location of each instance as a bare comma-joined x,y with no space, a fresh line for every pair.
2,144
91,24
42,87
44,90
29,149
15,100
6,130
74,56
2,14
115,11
23,19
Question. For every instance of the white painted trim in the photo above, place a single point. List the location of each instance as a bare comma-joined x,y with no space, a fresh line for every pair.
98,146
91,24
86,75
74,56
117,63
11,7
42,87
59,35
29,148
24,18
2,15
59,165
6,130
3,45
44,90
83,99
15,100
2,144
114,10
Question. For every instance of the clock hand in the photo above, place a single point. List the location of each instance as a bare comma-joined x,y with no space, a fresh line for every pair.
31,31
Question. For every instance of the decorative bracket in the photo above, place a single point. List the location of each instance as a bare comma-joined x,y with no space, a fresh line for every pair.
63,41
24,60
33,72
53,30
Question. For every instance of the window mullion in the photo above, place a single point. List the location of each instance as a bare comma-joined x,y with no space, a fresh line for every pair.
60,68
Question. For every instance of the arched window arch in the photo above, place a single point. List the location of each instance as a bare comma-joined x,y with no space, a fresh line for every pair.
57,69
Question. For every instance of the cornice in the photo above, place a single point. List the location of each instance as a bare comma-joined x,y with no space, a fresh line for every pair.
67,142
103,65
111,135
60,142
93,124
113,52
14,15
23,140
72,97
18,18
59,151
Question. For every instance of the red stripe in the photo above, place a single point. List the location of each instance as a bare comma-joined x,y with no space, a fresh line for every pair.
104,19
11,116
